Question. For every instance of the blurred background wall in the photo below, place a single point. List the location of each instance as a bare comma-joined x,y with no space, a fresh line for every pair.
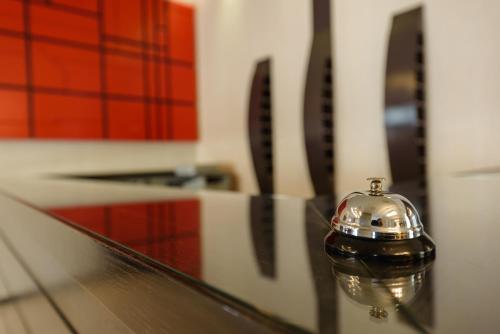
462,53
461,75
232,37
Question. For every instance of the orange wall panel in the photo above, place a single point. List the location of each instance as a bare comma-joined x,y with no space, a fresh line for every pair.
64,67
126,120
124,75
133,66
182,83
12,61
184,118
90,5
181,32
13,114
49,22
59,116
123,19
11,15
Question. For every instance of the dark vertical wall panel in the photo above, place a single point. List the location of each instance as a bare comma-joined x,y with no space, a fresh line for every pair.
404,97
134,57
405,123
260,126
318,103
405,107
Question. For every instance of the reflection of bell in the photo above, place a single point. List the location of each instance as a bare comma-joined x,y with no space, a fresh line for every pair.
381,286
378,224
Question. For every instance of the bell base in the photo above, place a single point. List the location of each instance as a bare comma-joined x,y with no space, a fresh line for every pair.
414,249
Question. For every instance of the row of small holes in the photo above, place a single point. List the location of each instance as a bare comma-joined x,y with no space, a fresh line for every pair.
420,135
266,123
327,116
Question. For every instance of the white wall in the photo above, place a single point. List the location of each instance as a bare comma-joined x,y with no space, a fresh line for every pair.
231,36
463,78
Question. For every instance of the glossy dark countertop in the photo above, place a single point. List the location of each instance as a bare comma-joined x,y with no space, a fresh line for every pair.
161,259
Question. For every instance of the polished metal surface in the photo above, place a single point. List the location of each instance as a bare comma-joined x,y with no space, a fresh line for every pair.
376,214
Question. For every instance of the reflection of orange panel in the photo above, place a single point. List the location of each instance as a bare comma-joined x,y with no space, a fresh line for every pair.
180,32
124,75
64,25
126,120
123,18
184,123
165,222
12,60
187,216
64,67
166,252
187,255
182,83
140,248
129,222
91,218
81,4
13,114
11,15
59,116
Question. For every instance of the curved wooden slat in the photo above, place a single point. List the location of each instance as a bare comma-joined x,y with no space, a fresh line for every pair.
405,107
404,98
405,123
260,126
318,103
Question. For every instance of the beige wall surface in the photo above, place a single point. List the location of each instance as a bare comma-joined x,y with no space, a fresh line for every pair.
232,36
40,157
463,73
463,76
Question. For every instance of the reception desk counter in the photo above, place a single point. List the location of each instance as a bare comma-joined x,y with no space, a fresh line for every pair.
96,257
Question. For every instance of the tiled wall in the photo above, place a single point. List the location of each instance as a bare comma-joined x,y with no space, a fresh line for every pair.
97,69
169,231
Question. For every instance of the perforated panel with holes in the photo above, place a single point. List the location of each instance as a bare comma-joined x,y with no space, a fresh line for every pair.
318,103
260,126
405,107
405,123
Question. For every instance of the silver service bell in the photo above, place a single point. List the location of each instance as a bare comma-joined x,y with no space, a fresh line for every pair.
376,223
